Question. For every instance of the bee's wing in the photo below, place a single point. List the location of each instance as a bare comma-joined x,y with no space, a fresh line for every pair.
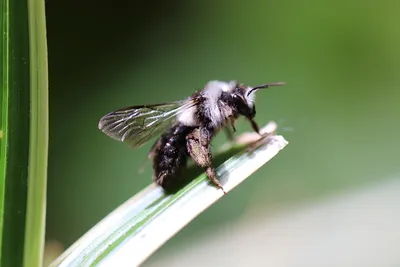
138,124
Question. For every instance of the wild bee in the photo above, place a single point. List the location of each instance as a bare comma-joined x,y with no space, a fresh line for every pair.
188,127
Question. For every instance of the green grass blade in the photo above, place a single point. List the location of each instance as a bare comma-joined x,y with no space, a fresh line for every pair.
135,230
14,143
37,175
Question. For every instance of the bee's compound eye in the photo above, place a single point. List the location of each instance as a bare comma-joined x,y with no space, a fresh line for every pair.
238,97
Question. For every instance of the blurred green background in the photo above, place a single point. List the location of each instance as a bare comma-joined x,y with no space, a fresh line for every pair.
339,110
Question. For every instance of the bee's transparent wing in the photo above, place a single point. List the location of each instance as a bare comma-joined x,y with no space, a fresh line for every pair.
138,124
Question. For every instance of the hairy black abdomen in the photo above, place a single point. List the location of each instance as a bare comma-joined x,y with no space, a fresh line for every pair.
170,155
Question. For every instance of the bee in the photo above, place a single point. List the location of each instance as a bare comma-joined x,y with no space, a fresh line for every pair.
186,127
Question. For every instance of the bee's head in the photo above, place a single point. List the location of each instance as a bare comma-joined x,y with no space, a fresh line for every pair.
243,98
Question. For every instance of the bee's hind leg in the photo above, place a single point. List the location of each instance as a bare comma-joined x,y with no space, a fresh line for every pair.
198,145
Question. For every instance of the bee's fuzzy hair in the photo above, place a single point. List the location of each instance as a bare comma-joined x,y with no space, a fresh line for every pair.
211,105
212,93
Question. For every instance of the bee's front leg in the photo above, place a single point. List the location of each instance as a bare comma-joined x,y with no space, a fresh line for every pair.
198,145
229,134
255,127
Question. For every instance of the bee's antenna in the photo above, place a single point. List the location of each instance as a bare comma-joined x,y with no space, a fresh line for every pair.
264,86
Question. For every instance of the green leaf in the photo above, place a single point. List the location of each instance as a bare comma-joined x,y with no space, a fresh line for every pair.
23,132
135,230
38,146
14,151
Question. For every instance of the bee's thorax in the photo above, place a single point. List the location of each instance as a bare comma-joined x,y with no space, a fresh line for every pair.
221,102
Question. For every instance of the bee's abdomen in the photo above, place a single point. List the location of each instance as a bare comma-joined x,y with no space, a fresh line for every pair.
170,155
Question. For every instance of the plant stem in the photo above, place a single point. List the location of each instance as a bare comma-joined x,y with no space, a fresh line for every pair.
38,147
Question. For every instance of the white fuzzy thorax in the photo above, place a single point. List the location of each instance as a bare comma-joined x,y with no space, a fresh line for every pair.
212,93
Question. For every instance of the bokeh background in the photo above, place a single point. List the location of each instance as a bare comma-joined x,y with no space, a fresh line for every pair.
337,181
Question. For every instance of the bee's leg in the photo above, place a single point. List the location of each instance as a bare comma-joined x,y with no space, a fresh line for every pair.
228,133
232,121
255,127
198,145
262,135
210,171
